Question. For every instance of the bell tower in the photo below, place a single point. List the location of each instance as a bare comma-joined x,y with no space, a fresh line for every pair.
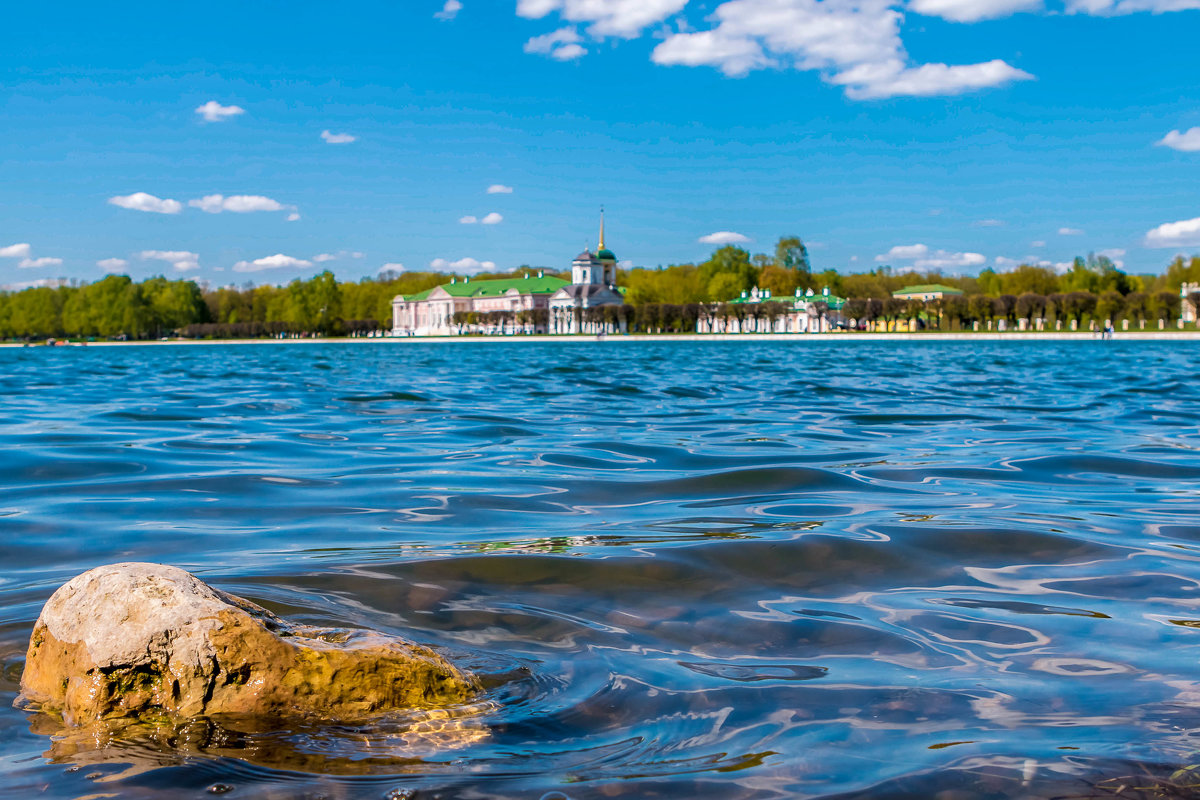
607,259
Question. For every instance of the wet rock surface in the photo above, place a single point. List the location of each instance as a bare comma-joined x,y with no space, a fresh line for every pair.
138,640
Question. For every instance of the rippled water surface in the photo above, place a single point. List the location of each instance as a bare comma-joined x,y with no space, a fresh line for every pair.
681,569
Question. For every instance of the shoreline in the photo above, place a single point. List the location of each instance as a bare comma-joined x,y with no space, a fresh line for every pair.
1015,336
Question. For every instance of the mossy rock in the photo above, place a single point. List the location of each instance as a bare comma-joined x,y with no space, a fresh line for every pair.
151,641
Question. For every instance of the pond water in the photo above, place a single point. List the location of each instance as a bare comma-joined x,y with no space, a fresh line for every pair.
681,569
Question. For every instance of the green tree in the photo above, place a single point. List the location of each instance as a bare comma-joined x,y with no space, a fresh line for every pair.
1165,305
791,254
893,307
855,309
989,282
1077,304
111,307
173,305
780,281
37,312
1006,307
979,306
954,308
731,261
1031,306
1181,271
1109,306
1136,308
1029,279
314,305
678,284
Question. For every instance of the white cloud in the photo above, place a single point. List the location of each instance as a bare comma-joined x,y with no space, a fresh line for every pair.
1185,141
1112,8
724,237
237,204
112,263
562,44
28,263
903,252
392,266
293,217
53,283
942,259
277,261
491,219
923,258
852,43
1038,243
733,55
467,265
1008,263
569,52
321,258
972,10
449,11
892,79
338,138
622,18
1070,232
212,111
140,201
499,188
1061,267
180,260
1184,233
989,223
21,250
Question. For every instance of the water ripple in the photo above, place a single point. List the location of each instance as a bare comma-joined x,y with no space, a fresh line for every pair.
964,570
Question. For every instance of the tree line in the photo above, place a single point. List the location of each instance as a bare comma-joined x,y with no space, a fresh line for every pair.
664,299
957,311
731,270
118,307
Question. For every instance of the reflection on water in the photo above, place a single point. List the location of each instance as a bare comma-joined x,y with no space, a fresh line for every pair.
398,743
681,570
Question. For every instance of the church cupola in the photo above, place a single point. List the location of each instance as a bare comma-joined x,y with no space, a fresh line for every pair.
607,258
599,268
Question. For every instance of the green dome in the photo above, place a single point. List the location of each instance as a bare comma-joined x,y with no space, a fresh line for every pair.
606,255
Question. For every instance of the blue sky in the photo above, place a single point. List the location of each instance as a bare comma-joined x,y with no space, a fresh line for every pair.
234,142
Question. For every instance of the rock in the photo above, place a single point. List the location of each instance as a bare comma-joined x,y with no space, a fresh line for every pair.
150,641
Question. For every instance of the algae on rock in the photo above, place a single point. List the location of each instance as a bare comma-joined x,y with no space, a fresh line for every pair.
148,640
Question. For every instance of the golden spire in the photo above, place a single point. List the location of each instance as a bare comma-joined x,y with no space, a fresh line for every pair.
601,247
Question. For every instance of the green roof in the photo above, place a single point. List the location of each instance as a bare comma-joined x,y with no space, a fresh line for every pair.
832,300
927,288
530,284
419,295
606,255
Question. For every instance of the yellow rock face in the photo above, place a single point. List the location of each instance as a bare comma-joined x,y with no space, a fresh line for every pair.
148,641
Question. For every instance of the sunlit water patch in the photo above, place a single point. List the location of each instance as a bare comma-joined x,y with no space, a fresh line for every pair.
680,570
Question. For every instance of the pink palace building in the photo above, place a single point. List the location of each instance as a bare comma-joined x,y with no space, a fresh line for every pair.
528,304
